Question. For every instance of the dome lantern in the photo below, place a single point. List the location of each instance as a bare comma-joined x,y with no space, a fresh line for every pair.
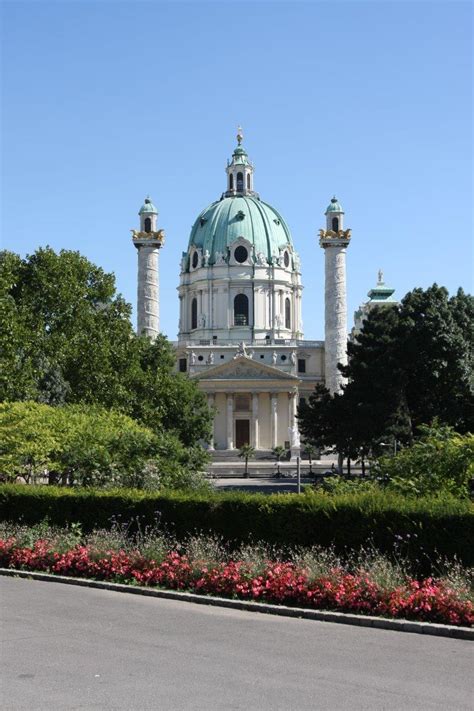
239,171
148,216
334,215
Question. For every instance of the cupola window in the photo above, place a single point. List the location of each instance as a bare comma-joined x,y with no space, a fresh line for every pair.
231,182
241,310
194,313
240,182
248,181
195,260
335,224
287,313
241,254
147,224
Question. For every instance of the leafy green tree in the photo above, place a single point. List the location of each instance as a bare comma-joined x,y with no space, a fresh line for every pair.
440,461
409,365
325,421
279,453
67,338
30,440
311,451
246,452
91,446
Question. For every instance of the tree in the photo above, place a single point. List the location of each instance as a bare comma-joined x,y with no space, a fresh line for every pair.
409,364
311,451
90,446
325,421
67,338
279,453
246,452
440,461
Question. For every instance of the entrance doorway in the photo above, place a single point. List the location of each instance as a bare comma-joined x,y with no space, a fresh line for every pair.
242,433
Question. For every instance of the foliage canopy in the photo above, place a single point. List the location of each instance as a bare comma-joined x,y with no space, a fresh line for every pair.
67,338
409,365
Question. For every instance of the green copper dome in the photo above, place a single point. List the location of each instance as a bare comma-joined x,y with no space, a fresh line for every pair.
334,206
148,207
220,224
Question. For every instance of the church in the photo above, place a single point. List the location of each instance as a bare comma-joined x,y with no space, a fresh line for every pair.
240,333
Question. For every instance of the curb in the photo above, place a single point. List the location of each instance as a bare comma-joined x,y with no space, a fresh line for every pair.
302,613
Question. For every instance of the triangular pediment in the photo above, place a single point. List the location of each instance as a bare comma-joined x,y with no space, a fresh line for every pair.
243,368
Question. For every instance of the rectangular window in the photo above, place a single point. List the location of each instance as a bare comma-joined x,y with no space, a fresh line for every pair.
301,365
242,402
182,365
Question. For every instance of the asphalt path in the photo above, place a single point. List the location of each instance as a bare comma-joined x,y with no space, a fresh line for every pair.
76,648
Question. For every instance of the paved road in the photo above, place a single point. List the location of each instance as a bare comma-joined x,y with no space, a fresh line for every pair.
74,648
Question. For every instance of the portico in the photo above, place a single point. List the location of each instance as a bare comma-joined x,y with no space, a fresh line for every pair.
255,404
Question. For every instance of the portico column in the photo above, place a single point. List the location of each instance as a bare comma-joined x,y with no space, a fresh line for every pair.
274,418
210,402
230,420
255,434
292,409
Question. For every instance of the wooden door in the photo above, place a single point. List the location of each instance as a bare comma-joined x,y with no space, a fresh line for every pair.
242,433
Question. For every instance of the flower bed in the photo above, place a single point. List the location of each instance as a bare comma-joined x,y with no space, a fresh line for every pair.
278,582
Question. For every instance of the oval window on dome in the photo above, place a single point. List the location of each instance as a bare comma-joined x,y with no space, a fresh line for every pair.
241,254
286,259
195,260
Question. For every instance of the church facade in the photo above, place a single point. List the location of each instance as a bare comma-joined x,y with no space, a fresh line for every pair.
240,332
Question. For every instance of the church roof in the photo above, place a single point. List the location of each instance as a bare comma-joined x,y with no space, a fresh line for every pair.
381,293
334,206
240,156
148,207
225,220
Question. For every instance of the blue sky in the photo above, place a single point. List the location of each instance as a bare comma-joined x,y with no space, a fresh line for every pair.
107,101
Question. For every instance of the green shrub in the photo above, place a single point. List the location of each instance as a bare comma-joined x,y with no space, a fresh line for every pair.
419,529
92,446
440,462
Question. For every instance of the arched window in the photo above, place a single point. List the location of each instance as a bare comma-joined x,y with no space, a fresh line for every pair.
248,181
287,313
147,224
240,182
231,182
241,310
335,224
194,313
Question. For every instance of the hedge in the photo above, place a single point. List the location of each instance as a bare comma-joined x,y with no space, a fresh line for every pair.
425,528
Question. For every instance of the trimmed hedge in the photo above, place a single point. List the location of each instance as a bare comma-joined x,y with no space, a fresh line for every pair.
425,528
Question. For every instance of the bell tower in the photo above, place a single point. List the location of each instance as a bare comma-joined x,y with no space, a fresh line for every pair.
148,241
239,171
334,240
